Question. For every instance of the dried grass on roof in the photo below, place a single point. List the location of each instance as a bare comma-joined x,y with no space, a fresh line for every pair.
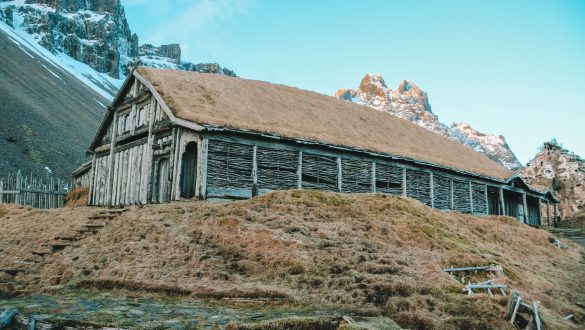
286,111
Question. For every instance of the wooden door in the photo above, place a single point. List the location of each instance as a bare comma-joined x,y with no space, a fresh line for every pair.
189,170
162,181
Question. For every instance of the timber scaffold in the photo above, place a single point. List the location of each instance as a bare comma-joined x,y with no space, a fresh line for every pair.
32,191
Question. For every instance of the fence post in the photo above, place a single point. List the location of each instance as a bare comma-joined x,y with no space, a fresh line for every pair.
1,189
18,184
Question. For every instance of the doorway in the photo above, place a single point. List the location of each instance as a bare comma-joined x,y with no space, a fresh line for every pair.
162,181
189,170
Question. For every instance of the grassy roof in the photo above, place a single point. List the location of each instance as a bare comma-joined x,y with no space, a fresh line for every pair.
290,112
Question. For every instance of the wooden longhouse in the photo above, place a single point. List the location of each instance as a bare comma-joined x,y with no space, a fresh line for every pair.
173,135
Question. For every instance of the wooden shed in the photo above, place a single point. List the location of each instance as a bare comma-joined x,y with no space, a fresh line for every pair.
171,135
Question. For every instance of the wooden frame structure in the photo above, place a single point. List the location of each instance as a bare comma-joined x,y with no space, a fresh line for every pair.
140,150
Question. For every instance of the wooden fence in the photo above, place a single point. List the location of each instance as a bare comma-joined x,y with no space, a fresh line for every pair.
28,190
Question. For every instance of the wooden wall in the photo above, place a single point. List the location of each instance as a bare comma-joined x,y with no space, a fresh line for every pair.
241,168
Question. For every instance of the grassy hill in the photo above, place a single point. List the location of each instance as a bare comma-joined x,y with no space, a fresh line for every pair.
369,255
47,116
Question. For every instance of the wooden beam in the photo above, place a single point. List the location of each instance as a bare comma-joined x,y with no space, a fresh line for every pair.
547,213
525,207
404,182
300,172
373,177
470,197
432,187
255,171
502,202
452,201
7,317
339,174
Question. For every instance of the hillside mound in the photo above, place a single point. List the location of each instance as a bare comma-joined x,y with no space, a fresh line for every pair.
575,221
367,254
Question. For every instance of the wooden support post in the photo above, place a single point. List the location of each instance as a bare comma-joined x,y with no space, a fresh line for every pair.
537,316
1,189
255,171
300,171
502,202
404,182
432,187
373,178
547,213
452,201
525,207
110,180
555,214
470,197
339,174
487,201
18,197
516,306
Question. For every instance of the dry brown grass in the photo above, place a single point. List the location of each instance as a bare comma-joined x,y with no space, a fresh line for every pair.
369,254
575,221
77,197
286,111
3,210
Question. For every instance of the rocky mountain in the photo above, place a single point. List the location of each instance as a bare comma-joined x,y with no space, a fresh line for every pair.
48,116
561,171
92,32
409,102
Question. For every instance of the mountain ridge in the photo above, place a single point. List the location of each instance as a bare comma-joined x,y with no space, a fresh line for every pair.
411,103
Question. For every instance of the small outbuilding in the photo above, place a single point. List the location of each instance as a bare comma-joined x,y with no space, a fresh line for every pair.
172,135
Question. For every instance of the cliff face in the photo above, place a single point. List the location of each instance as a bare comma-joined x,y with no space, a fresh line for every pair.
561,171
94,32
409,102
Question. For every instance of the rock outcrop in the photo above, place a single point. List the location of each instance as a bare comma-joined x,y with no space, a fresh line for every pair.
96,33
561,171
409,102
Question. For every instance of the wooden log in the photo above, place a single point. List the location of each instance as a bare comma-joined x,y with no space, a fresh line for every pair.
470,197
404,182
7,317
255,171
547,213
502,201
525,207
300,171
373,177
487,203
432,190
516,306
537,316
339,175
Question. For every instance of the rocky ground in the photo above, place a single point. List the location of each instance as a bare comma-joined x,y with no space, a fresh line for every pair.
358,255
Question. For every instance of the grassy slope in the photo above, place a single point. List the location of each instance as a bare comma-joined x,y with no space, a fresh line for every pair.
575,221
370,254
45,120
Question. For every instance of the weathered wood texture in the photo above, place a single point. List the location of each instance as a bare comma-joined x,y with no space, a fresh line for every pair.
418,186
388,179
479,198
45,193
277,169
229,169
319,172
356,176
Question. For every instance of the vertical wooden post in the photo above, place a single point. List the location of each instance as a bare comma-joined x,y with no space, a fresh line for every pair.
110,181
18,186
404,182
525,207
373,177
300,172
555,214
502,202
470,197
487,201
1,189
432,187
547,213
452,201
339,174
255,171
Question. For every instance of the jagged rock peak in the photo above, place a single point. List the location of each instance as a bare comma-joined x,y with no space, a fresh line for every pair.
410,102
561,171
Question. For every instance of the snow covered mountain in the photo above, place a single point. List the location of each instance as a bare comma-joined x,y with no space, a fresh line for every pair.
561,171
409,102
91,39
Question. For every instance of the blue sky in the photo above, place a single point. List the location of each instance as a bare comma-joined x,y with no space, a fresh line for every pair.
515,68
